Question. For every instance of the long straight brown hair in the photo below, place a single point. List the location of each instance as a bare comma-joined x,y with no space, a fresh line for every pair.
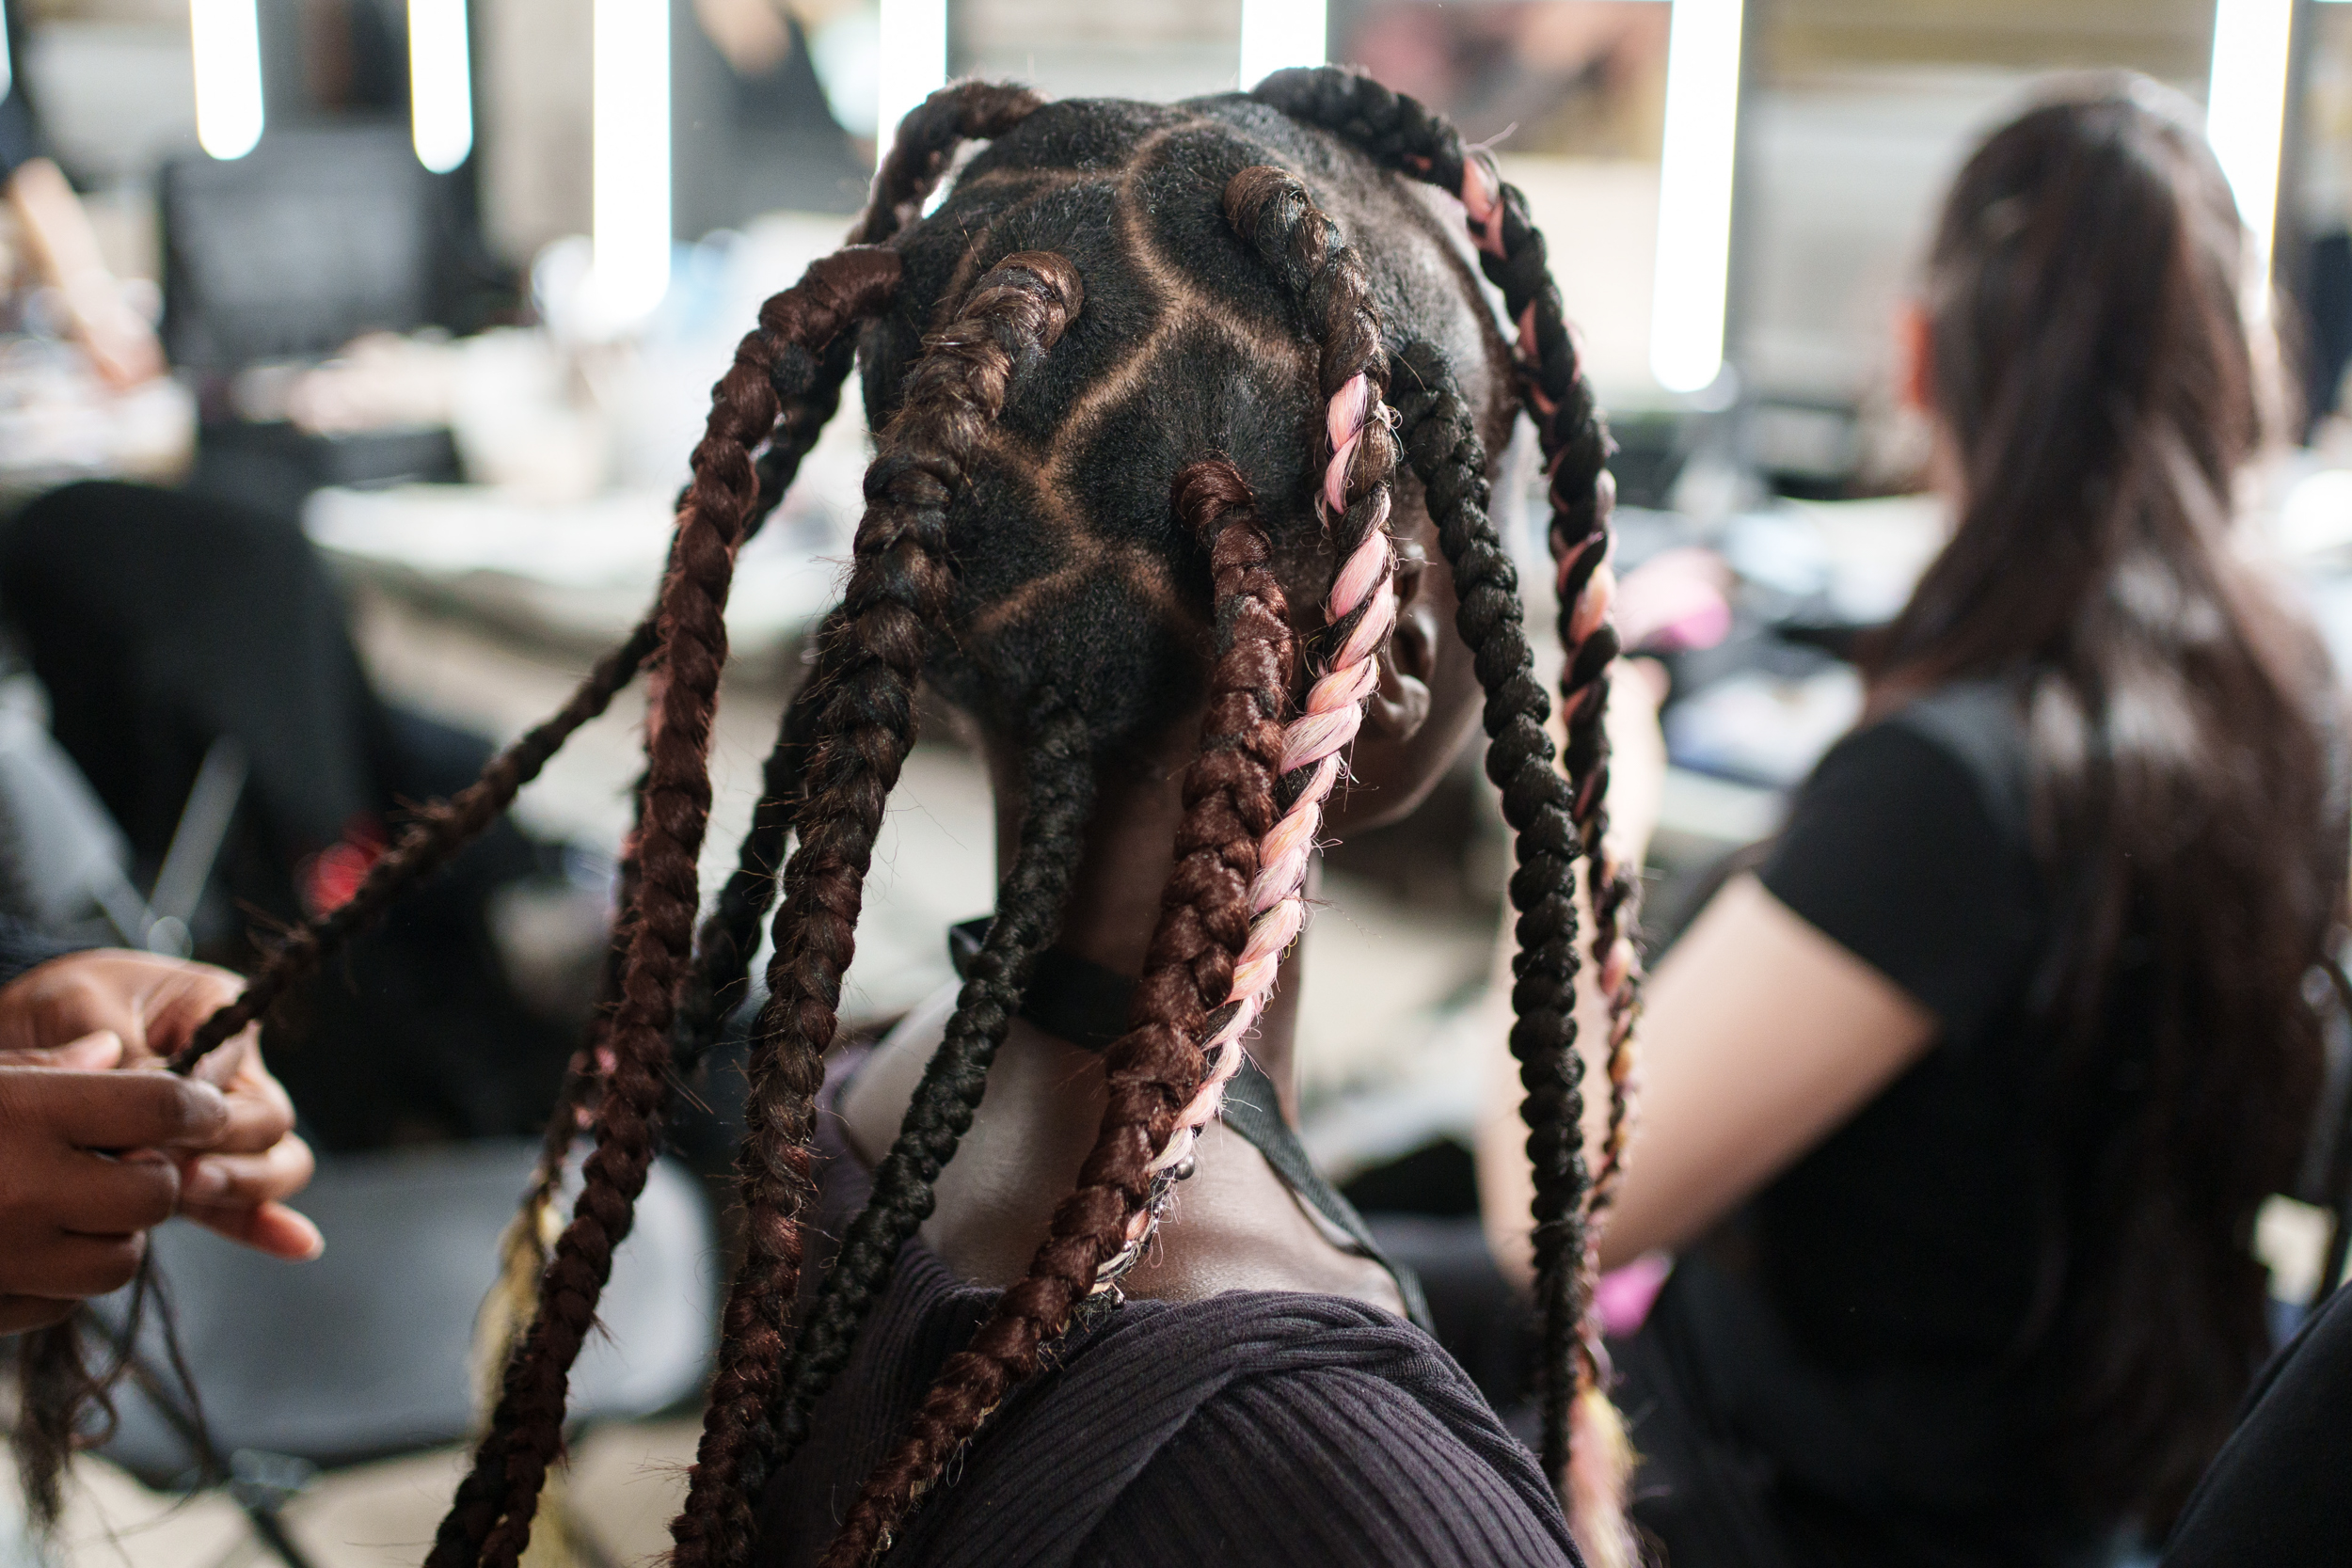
2094,363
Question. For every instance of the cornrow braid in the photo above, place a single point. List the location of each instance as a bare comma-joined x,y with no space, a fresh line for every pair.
1272,211
1440,439
924,144
899,588
1061,779
490,1522
1188,972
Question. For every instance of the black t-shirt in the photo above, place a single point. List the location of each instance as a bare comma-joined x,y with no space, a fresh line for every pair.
1256,1429
1852,1334
2279,1493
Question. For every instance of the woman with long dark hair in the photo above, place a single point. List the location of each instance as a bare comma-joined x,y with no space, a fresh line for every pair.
1959,1111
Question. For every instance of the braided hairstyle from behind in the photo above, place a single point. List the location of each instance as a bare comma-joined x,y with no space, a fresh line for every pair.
1228,794
900,587
490,1520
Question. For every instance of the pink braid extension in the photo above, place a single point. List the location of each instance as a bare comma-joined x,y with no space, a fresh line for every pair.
1273,208
1334,712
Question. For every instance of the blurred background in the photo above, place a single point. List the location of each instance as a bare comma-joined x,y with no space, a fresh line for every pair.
439,287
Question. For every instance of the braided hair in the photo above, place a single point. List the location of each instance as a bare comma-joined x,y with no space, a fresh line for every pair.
1129,379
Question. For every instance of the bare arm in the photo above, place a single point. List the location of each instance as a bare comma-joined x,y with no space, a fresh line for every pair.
1760,1036
58,231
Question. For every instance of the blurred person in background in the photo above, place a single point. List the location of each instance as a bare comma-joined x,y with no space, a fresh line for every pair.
55,233
1957,1109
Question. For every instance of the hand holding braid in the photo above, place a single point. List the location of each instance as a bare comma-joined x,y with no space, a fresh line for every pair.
491,1519
1157,1066
897,593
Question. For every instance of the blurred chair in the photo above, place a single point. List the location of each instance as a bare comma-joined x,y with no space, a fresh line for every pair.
364,1353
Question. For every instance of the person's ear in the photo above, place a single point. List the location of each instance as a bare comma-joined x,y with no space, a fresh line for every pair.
1400,703
1915,358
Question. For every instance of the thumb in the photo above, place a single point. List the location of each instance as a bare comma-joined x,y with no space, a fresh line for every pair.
100,1050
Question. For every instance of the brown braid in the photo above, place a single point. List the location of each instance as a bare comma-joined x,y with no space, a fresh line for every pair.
438,832
925,143
491,1520
1204,919
898,589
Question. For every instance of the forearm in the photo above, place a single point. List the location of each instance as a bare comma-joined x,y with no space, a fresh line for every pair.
64,247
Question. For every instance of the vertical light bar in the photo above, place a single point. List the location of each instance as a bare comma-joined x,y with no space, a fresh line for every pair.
1686,334
7,62
913,63
225,37
1278,34
441,84
629,186
2246,107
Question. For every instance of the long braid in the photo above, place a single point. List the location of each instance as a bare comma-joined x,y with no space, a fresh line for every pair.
1272,211
924,144
492,1518
1188,972
898,592
426,844
1404,135
730,933
1060,787
919,156
809,388
807,381
1440,438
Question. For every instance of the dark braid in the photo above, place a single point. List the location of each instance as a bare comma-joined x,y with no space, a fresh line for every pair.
899,585
1405,135
1188,973
730,934
1060,783
438,832
926,144
492,1517
809,388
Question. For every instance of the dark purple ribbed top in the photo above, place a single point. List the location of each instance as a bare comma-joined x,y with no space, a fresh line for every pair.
1258,1429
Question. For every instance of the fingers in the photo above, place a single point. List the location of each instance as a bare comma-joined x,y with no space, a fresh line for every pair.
91,1194
22,1314
241,1180
154,1004
100,1052
79,1267
268,1227
114,1110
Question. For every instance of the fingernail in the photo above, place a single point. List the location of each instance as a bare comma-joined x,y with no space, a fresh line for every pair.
206,1182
